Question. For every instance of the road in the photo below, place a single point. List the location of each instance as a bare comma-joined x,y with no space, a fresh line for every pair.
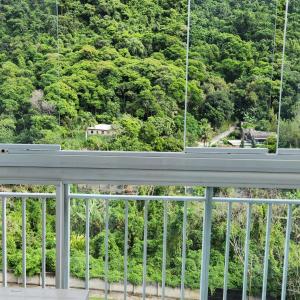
218,137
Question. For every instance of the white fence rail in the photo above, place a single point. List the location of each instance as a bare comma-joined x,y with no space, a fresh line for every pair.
64,197
208,167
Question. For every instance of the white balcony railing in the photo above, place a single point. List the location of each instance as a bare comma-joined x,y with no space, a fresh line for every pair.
208,167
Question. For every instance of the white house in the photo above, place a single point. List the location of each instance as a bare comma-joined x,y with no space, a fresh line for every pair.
100,129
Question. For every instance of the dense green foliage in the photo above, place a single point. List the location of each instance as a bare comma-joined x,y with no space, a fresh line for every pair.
123,62
233,42
118,62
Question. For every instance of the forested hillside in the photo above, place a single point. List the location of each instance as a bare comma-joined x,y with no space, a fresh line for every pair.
123,62
239,44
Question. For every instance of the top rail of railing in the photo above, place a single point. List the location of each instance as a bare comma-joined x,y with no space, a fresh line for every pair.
122,197
47,164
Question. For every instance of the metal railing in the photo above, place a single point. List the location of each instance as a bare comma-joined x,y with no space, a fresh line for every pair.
64,197
48,165
24,196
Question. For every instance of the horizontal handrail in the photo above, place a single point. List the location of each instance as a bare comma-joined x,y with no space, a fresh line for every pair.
276,201
217,168
135,197
26,195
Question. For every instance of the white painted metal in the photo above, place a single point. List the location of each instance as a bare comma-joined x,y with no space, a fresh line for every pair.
106,246
210,169
4,249
126,251
286,252
64,196
151,198
183,251
288,151
59,236
220,150
246,252
87,243
207,221
66,236
62,269
42,294
164,258
18,148
267,250
44,216
135,197
24,277
227,248
145,244
27,195
257,200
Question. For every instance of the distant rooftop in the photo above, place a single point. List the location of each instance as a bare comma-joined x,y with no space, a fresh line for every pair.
256,134
104,127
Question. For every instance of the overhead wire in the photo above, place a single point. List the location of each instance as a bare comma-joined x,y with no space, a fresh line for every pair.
186,74
282,73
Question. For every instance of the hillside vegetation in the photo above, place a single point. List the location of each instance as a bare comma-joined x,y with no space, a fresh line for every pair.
123,62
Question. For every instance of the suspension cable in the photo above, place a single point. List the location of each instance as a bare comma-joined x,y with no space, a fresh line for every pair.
282,72
186,75
273,51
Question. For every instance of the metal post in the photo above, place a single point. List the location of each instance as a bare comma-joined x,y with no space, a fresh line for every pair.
286,252
4,253
126,251
165,232
145,248
24,241
59,235
44,243
66,237
87,243
106,246
267,250
246,258
206,244
227,248
183,254
62,236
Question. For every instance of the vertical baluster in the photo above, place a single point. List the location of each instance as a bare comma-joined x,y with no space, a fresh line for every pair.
286,252
165,232
183,254
227,248
43,243
206,244
145,248
126,250
59,235
24,241
66,237
87,243
246,258
267,250
106,246
62,266
4,253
